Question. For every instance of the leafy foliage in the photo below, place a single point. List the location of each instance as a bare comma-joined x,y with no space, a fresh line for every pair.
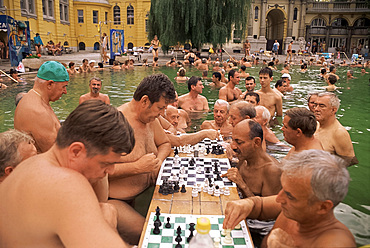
196,21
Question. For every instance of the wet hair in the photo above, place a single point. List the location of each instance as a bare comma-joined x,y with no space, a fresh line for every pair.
182,72
267,71
217,75
245,109
251,78
279,83
13,71
334,100
243,67
99,127
71,64
286,65
84,60
255,130
100,64
96,79
331,68
193,81
155,86
115,62
231,74
271,63
323,71
329,175
265,112
223,103
205,73
256,95
332,79
155,59
303,119
9,142
302,67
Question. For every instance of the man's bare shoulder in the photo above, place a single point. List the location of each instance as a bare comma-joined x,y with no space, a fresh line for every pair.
338,236
123,108
207,125
183,97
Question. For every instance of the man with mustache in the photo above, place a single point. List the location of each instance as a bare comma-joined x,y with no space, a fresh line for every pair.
95,86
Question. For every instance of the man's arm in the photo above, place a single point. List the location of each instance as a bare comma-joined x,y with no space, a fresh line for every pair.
279,106
192,138
222,94
234,175
206,125
161,140
101,189
343,146
272,184
205,104
262,208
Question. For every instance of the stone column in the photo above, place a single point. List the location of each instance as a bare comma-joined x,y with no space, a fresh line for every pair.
263,20
302,20
290,18
250,21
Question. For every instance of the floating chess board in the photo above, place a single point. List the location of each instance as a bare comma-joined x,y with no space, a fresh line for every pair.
166,237
195,174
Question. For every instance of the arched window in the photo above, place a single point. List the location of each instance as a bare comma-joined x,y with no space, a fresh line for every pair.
318,22
117,15
295,14
339,22
256,13
362,22
130,15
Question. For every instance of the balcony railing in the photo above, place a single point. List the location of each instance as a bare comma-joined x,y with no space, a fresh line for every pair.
338,31
318,31
335,6
361,31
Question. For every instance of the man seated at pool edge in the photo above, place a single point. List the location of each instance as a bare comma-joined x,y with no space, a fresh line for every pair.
313,182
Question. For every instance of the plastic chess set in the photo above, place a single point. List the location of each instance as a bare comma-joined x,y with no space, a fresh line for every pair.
176,230
202,174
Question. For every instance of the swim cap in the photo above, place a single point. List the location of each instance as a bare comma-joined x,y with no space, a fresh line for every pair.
53,70
286,75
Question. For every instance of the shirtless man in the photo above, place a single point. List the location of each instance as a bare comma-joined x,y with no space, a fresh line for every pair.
216,67
84,67
286,79
280,87
252,98
34,114
15,146
299,126
313,183
250,84
242,71
95,86
289,52
257,172
193,101
92,66
230,92
184,119
203,66
331,79
71,68
263,117
311,101
139,169
285,69
240,111
221,114
333,136
268,97
332,71
216,81
59,207
172,115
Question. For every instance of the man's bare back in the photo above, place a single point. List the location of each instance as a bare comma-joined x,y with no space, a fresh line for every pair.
36,117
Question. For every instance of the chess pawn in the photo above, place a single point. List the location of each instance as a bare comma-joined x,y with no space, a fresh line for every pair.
217,191
226,191
199,187
205,188
176,161
221,190
210,190
194,192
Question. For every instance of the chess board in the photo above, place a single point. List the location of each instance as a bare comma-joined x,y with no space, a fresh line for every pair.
191,175
166,237
201,146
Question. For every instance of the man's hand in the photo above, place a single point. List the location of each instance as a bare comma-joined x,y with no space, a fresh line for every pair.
211,133
149,163
233,175
278,238
237,211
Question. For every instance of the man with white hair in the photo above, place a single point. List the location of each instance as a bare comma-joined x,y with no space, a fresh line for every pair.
263,117
286,79
332,135
240,111
221,114
313,183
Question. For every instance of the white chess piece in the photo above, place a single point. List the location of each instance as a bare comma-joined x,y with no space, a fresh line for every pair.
217,192
226,191
194,192
228,240
238,226
205,187
210,190
217,241
223,232
199,169
221,190
199,187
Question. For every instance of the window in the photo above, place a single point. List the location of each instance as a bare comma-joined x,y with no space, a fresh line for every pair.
295,14
130,15
339,22
106,17
117,15
256,13
27,7
362,22
64,11
95,16
80,16
337,42
318,23
147,22
48,9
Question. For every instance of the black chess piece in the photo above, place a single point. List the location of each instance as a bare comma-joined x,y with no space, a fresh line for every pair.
156,229
183,189
178,231
178,239
168,224
158,213
191,229
218,177
176,187
207,170
160,190
214,149
208,150
176,151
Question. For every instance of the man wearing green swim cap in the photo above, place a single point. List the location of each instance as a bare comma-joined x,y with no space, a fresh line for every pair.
34,114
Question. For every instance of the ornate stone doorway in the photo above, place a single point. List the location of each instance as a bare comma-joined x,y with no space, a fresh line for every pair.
275,27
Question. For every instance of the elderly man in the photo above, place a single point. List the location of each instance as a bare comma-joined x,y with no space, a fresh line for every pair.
59,207
313,182
95,87
332,135
257,172
139,169
221,114
194,101
230,92
311,101
263,117
34,114
299,126
240,111
15,146
286,79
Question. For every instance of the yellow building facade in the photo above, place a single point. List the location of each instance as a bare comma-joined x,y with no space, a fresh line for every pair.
80,23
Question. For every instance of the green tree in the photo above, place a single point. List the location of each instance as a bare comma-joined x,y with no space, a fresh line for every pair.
196,21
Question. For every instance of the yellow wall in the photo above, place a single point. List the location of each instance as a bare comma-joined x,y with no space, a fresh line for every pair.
86,32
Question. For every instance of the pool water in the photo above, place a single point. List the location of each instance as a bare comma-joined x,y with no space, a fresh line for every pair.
353,114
